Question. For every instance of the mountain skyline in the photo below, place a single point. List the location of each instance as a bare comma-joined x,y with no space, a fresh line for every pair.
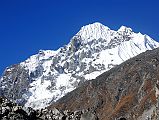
28,26
49,75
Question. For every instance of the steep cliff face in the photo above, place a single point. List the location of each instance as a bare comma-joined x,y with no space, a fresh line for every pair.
129,90
47,76
14,83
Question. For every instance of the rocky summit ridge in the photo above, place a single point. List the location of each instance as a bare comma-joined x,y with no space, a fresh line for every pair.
49,75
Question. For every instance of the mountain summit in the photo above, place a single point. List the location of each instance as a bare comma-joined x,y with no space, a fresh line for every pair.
47,76
93,32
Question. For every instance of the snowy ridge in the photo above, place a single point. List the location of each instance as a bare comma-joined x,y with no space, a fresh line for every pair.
92,51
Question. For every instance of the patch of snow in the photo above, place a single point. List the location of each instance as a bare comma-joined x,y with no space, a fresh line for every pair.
39,92
93,75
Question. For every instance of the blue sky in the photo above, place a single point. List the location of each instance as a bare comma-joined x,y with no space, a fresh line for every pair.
26,26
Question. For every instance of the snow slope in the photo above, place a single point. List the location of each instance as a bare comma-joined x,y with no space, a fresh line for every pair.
92,51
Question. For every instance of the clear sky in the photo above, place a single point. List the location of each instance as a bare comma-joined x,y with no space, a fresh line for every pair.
26,26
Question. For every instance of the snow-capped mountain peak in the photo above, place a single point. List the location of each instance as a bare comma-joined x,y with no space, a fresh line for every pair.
93,31
126,30
92,51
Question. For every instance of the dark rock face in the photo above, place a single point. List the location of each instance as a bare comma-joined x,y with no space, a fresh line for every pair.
128,91
11,111
17,81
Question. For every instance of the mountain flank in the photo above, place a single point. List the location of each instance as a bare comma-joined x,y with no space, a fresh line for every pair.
128,91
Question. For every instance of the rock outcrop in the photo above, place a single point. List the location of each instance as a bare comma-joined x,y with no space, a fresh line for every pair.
12,111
